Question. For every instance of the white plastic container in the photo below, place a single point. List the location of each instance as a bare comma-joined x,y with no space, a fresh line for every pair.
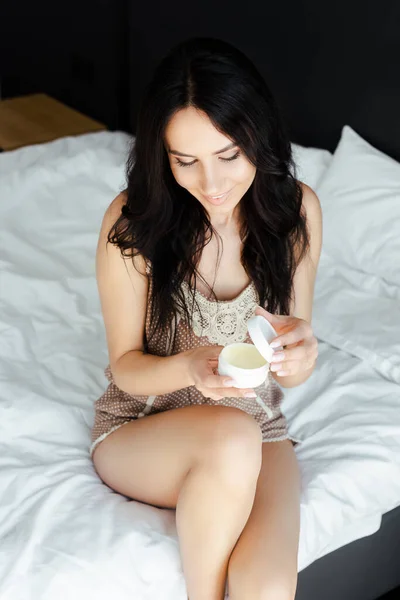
248,364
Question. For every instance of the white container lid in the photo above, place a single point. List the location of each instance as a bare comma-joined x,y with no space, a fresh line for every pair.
261,333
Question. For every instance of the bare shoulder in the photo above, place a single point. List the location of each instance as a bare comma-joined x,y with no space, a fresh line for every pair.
114,208
111,215
304,277
312,211
123,289
311,204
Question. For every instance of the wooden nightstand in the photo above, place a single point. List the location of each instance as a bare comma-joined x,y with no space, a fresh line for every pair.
38,118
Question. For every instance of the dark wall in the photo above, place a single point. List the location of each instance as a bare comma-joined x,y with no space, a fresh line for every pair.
328,65
75,51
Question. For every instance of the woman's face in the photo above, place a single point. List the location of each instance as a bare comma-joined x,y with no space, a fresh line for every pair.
206,172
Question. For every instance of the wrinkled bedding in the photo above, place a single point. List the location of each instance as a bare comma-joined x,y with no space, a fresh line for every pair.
63,532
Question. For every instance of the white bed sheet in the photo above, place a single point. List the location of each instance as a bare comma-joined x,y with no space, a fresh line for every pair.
65,534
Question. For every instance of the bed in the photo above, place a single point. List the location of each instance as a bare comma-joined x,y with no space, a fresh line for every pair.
63,532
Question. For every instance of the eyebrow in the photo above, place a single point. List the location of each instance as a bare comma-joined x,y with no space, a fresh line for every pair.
232,145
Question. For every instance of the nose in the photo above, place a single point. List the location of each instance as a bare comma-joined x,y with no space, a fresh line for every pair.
212,182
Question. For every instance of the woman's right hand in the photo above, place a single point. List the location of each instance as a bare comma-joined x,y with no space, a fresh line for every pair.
202,364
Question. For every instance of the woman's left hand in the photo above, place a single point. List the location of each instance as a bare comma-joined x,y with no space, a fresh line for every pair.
300,346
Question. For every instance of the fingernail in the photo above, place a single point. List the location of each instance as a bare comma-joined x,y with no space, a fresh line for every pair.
250,395
229,382
278,356
275,344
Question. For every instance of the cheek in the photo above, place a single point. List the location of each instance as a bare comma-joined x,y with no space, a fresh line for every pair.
243,172
183,176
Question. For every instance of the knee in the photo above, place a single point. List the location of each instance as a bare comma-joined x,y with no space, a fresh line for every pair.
283,590
269,589
234,446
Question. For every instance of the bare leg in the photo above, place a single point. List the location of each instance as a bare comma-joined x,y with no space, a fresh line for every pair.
202,460
213,506
263,564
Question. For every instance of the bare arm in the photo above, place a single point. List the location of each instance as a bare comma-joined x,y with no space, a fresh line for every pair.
304,278
123,297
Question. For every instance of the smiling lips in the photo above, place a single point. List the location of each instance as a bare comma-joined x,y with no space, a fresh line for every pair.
217,199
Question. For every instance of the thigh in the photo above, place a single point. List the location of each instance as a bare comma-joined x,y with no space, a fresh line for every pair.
148,459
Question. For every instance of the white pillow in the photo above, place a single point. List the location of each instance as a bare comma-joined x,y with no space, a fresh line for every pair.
360,199
360,314
311,163
115,143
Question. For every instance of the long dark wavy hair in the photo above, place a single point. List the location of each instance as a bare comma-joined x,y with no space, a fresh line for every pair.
168,226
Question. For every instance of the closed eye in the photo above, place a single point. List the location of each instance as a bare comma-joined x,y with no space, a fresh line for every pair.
185,164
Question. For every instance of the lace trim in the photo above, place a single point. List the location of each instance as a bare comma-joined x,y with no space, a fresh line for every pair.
223,322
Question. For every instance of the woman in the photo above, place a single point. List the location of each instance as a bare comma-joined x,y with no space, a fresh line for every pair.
212,225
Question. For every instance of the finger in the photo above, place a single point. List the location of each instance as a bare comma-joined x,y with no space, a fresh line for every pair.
236,392
293,353
304,352
217,381
208,393
290,337
269,316
287,367
292,368
213,396
213,362
214,351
